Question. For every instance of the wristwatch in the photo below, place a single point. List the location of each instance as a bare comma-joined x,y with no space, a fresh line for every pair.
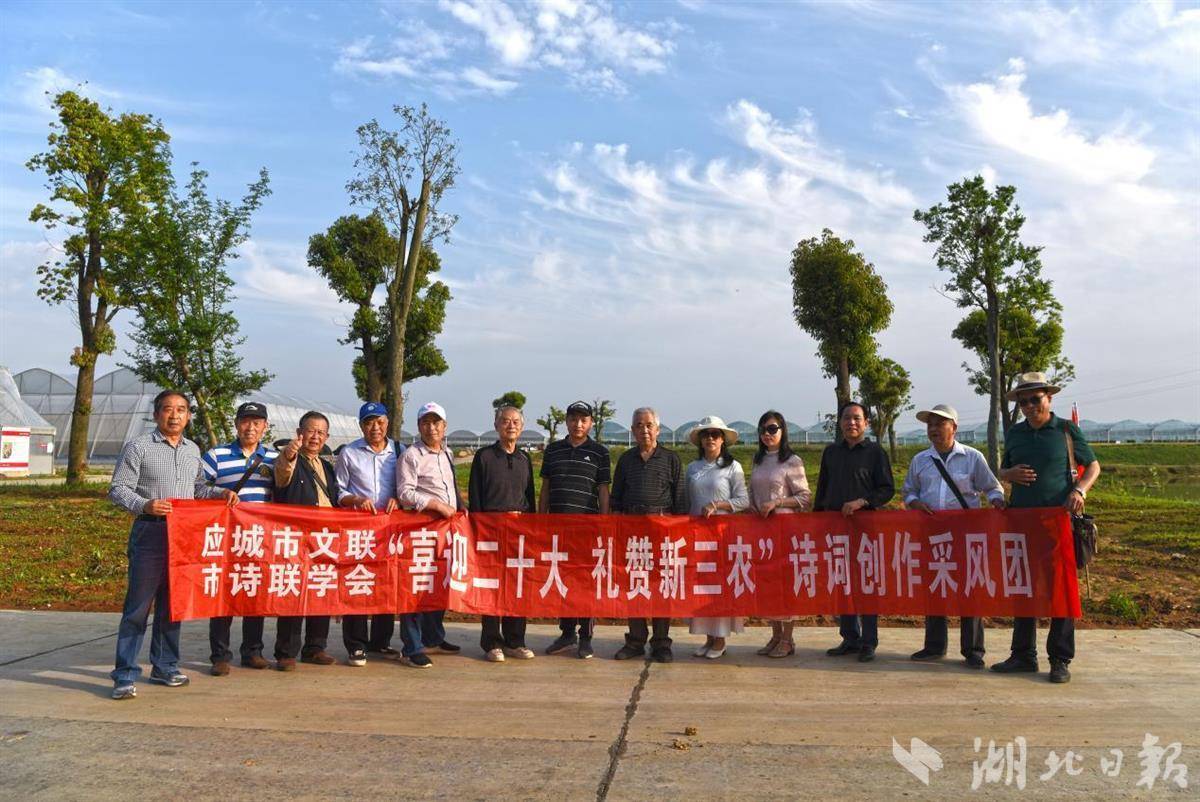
1082,493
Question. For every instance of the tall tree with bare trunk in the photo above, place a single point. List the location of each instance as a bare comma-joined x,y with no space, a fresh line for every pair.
106,175
402,176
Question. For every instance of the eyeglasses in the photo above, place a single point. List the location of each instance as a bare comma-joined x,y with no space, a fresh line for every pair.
770,428
711,434
1031,400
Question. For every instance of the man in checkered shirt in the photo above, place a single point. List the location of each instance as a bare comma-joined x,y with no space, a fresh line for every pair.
154,469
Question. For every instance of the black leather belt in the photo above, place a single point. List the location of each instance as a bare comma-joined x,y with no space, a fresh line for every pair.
152,518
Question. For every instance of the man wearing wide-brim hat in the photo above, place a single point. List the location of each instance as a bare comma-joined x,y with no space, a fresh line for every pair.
1038,453
926,488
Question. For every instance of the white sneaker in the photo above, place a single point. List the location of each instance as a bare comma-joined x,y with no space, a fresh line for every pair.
495,655
701,652
519,653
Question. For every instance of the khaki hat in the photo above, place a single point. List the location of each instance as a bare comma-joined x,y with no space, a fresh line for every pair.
940,410
712,422
1031,381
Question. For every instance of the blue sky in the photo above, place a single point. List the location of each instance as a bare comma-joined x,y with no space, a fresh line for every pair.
635,175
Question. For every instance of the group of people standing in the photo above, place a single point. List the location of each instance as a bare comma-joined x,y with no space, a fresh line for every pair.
377,474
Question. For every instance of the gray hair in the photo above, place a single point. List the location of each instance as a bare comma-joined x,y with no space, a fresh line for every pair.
500,410
646,411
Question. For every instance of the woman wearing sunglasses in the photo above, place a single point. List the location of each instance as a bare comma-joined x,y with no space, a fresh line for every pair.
778,484
716,485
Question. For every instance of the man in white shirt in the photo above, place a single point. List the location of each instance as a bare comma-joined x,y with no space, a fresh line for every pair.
927,489
366,475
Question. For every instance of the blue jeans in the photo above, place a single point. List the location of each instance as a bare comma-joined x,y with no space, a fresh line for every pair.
418,630
147,584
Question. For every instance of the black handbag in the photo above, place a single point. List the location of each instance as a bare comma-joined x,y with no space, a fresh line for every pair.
1083,527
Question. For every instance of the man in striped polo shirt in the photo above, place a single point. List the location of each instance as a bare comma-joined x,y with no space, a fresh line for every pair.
245,467
575,478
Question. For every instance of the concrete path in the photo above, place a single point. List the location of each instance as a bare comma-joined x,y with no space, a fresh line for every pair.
558,727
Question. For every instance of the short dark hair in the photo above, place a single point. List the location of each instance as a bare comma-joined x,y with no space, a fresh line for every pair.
785,450
165,394
842,409
310,415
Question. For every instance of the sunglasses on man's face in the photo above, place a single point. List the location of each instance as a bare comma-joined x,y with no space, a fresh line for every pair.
1031,400
770,428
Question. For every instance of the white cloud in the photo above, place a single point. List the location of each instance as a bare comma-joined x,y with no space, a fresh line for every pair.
584,40
1002,114
278,275
488,83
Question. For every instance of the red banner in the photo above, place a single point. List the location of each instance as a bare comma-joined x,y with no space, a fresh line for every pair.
273,559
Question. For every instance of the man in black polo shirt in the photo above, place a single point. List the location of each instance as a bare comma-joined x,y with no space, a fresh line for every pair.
502,481
575,478
855,475
648,481
1038,464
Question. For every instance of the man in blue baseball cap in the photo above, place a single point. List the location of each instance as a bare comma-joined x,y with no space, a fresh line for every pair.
366,477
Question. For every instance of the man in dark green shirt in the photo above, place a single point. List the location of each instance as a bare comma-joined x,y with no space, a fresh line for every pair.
1036,462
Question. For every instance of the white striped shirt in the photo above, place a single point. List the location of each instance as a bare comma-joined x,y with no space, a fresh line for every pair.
224,466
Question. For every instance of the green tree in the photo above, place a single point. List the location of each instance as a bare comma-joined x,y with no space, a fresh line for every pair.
510,399
353,255
185,334
602,413
886,390
977,232
1029,341
402,175
426,317
106,174
841,302
553,418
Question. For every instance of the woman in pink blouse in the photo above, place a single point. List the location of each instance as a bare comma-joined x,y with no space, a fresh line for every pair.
777,485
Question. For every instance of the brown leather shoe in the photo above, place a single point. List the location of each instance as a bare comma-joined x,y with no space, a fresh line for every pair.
321,658
256,661
220,668
286,664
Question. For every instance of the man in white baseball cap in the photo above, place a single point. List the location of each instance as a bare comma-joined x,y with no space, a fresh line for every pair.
949,476
425,483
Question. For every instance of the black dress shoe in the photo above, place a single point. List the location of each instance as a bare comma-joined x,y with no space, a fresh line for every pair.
866,654
1058,672
975,661
662,655
845,647
628,652
1015,665
927,654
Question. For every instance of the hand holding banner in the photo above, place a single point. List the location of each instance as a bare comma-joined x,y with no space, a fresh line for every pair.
272,559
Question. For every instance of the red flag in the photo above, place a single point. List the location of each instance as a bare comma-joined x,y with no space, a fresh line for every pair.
1074,413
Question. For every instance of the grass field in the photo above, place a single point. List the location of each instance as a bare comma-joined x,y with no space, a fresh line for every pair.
64,548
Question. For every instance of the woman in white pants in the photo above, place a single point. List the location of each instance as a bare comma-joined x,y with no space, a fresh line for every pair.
716,485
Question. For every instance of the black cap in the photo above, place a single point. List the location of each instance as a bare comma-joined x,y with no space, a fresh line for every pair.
580,408
252,409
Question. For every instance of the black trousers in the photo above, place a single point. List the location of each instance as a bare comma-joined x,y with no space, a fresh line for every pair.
287,635
502,633
638,632
858,636
567,627
970,633
356,634
218,638
1060,641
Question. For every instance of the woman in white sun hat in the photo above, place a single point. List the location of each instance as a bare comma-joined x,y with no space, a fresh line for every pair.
716,485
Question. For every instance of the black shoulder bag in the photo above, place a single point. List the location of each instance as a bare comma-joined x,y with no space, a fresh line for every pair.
1083,527
946,478
255,461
